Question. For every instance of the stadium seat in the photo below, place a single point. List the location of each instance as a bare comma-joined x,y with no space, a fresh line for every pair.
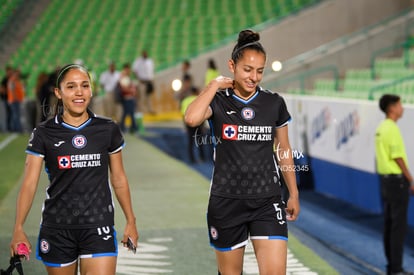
7,9
325,85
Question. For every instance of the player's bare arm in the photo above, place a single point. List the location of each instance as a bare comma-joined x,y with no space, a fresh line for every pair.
121,188
293,207
33,166
199,110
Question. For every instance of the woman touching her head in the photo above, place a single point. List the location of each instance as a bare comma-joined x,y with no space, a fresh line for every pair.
245,196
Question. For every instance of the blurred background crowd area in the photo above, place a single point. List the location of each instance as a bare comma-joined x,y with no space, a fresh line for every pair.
341,48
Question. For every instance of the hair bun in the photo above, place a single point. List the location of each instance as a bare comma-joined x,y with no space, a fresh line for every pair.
247,36
248,39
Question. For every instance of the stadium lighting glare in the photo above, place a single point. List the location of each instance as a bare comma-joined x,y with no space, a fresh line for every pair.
276,66
176,85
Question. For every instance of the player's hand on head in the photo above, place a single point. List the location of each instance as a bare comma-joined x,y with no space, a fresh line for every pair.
224,82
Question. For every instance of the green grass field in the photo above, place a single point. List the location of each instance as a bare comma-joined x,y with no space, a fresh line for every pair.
12,159
170,201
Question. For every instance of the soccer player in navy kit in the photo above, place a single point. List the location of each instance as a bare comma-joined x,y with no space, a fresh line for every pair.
77,226
245,202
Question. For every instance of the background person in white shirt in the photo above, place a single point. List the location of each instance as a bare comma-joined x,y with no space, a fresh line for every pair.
143,68
108,81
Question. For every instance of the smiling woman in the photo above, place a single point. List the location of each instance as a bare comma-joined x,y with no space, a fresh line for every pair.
249,121
77,147
74,92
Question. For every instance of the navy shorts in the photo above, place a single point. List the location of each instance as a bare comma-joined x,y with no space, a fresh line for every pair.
62,247
232,221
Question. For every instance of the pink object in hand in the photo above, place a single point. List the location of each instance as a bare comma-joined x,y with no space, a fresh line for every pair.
22,250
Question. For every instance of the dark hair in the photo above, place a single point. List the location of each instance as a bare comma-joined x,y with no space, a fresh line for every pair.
187,63
212,64
60,76
248,39
187,77
387,100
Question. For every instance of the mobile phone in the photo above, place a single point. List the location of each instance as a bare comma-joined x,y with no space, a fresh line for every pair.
131,245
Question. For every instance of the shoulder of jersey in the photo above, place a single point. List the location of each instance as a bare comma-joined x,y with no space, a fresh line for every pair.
225,92
47,123
267,91
104,118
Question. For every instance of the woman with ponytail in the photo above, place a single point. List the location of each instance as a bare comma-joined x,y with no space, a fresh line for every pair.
246,200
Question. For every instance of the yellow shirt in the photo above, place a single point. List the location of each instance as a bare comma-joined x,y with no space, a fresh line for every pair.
210,75
187,101
389,145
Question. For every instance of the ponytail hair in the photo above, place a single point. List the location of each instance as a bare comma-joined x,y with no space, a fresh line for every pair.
248,39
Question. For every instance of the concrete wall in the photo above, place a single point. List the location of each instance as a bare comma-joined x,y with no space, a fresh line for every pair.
336,139
299,33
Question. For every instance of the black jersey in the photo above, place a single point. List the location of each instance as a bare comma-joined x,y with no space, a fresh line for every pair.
76,160
244,130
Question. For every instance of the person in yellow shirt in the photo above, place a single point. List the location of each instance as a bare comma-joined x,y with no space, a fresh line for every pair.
212,71
396,181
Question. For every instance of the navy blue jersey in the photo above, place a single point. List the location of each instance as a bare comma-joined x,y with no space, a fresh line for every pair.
244,130
76,160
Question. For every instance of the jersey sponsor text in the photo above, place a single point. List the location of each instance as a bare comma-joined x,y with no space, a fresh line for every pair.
247,132
79,161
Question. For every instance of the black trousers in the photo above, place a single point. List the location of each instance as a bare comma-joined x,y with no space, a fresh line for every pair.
395,195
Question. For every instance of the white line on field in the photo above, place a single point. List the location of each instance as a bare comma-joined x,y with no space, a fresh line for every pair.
6,142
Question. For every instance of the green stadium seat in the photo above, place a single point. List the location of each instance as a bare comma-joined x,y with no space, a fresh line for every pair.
363,85
325,85
7,10
358,74
323,92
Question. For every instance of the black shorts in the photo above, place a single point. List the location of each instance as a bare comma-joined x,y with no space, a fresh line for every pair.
63,247
149,87
232,221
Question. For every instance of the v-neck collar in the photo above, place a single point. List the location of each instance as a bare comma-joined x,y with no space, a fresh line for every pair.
246,101
59,120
